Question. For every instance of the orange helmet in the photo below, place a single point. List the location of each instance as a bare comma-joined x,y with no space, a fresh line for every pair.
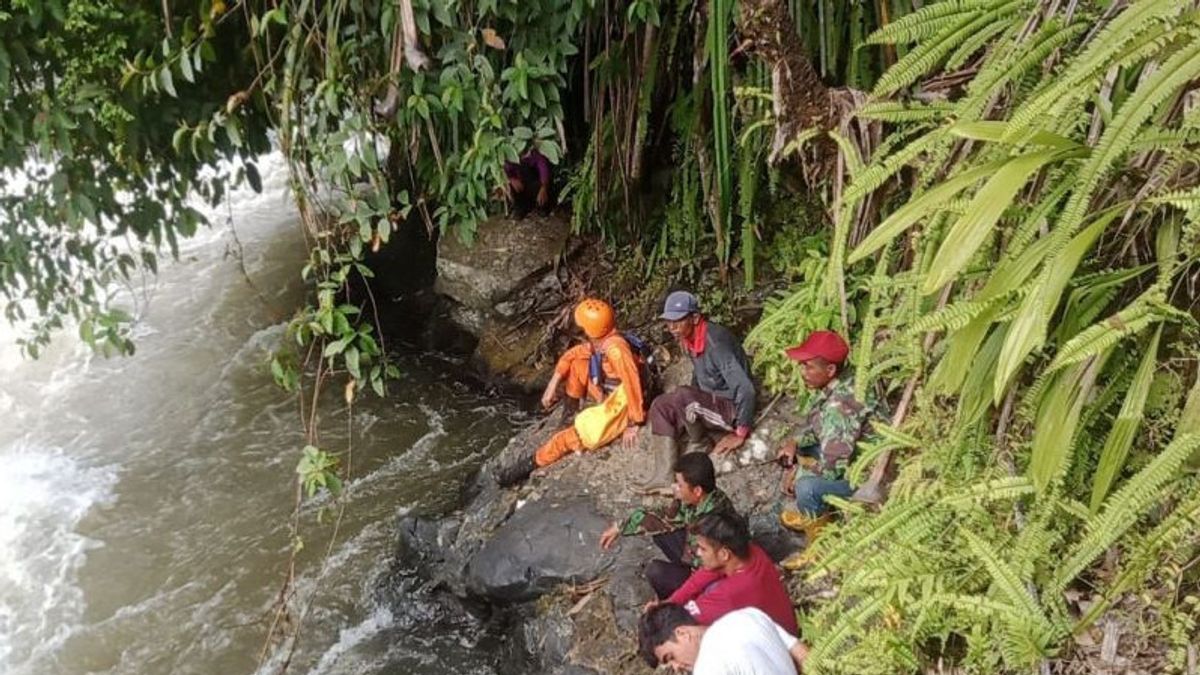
595,317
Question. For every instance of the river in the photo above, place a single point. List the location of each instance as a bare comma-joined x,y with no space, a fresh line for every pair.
145,501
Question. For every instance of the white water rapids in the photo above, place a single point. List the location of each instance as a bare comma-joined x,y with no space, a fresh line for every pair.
144,500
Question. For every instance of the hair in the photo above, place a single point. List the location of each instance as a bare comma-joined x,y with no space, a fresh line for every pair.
697,470
725,529
657,627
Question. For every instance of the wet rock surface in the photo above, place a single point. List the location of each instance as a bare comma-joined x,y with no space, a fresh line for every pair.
535,550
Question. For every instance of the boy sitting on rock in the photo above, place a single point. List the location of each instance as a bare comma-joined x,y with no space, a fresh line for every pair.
696,495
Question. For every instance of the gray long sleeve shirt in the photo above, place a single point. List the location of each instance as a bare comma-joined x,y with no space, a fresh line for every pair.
722,369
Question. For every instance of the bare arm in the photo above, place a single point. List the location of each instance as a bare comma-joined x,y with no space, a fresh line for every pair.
799,652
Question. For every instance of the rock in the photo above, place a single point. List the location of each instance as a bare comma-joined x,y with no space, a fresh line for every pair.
509,352
541,541
505,256
541,546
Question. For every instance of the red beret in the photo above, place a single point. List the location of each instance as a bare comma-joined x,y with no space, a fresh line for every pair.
823,344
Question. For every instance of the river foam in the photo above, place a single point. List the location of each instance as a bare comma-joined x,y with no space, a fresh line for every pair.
46,495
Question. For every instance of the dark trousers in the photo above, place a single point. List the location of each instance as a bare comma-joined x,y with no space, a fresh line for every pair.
666,576
671,414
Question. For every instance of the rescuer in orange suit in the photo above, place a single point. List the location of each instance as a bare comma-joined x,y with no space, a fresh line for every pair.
601,369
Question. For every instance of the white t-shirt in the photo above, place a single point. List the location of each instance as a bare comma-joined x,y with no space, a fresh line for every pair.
745,642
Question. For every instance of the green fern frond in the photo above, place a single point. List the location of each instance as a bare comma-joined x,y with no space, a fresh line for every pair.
905,111
975,43
850,623
927,21
1092,62
1103,336
1019,59
950,318
1125,507
1147,555
881,170
934,49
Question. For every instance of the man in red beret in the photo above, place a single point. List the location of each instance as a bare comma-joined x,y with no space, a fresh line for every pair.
833,424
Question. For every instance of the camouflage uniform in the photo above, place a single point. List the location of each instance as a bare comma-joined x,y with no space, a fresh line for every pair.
833,424
676,517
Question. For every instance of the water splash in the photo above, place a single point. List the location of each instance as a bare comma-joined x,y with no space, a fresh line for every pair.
46,495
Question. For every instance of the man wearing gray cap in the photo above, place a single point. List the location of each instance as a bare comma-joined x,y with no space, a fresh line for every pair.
721,396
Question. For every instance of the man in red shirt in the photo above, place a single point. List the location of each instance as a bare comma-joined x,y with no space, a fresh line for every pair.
735,573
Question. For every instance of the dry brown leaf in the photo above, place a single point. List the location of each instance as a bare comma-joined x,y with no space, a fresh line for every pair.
492,40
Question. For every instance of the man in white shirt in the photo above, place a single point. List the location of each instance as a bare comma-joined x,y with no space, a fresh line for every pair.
743,642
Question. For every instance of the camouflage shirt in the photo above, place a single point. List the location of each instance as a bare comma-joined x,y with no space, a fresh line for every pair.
834,422
676,516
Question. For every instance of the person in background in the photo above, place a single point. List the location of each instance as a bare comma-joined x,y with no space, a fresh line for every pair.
528,185
834,421
696,495
743,642
734,573
602,368
721,396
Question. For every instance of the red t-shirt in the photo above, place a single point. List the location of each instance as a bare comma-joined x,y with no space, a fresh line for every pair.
709,595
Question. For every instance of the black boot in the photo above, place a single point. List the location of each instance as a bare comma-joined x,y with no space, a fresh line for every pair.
515,472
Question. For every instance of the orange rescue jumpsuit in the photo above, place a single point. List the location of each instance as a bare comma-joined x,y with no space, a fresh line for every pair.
617,410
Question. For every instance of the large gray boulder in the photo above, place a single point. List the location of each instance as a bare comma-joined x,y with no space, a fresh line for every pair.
540,547
504,257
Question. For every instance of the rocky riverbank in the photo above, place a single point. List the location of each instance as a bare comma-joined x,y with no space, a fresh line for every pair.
528,559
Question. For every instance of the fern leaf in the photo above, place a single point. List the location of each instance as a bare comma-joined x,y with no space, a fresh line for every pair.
880,171
976,42
1180,69
1148,555
850,622
924,22
1001,489
1104,335
950,318
1120,437
905,111
1125,507
933,50
1004,578
1094,60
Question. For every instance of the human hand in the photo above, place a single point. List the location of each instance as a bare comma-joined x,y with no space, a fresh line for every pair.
543,196
728,443
629,437
609,536
651,605
550,396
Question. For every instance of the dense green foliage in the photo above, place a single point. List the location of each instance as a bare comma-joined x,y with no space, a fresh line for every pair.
92,188
1015,222
1039,279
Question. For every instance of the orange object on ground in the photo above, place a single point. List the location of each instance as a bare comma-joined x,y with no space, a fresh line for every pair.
598,425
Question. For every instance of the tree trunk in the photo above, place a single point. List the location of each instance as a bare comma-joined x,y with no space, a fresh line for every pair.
800,99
